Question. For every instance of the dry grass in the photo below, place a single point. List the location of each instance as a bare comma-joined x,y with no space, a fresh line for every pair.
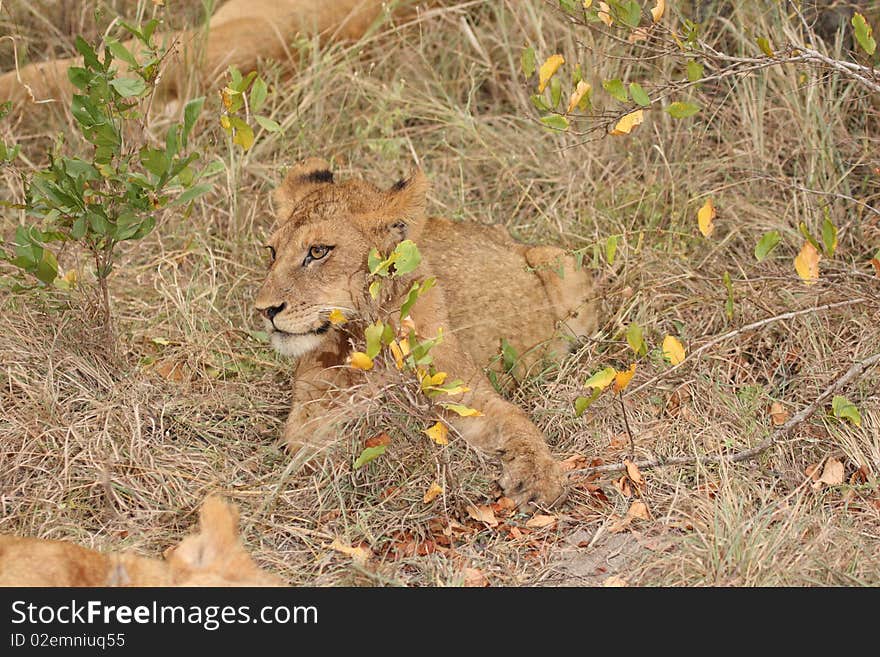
118,454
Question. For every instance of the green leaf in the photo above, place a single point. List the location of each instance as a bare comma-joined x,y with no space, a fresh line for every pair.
540,102
369,454
375,262
509,356
864,33
636,340
611,249
528,62
190,194
639,95
89,57
555,92
417,290
555,122
407,257
155,161
764,45
47,269
728,305
681,110
257,95
244,134
79,77
616,89
190,115
846,410
802,227
129,87
373,334
766,244
121,52
581,403
829,237
601,379
268,124
629,13
694,70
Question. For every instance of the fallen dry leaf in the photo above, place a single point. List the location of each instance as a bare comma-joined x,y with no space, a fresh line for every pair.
832,474
639,510
483,514
576,462
431,494
359,555
539,521
605,14
381,438
778,414
633,471
619,524
622,485
474,578
615,581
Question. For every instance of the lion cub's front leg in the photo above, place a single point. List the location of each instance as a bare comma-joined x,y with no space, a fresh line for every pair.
531,474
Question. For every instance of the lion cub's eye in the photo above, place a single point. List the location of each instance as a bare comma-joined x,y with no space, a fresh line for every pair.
316,253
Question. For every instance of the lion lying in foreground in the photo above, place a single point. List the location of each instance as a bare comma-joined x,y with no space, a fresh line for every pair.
212,557
488,287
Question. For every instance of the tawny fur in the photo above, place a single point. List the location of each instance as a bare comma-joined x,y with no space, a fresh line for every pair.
489,286
212,557
240,33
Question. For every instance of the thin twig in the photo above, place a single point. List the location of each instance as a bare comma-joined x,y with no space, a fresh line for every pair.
632,442
743,329
852,373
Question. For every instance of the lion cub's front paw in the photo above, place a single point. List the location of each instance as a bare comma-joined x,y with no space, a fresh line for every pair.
534,479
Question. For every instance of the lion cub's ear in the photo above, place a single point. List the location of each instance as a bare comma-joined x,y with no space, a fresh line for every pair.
404,212
302,179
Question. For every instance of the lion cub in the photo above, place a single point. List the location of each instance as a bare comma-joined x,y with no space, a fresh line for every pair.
488,287
212,557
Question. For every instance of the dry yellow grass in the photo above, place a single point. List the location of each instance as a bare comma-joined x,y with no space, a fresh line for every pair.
118,454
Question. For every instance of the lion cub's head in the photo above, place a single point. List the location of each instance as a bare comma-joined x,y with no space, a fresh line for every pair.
323,235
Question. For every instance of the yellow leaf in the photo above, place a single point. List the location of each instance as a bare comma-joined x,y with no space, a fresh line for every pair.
226,96
438,433
807,264
360,361
658,9
581,90
628,122
428,380
673,351
548,69
336,317
404,346
706,218
601,379
622,379
225,123
605,14
397,353
431,494
464,411
615,581
588,4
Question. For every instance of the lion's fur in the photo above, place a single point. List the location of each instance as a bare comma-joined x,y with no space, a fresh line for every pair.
489,287
213,556
240,33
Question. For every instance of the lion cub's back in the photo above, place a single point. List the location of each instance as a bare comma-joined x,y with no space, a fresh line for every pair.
491,293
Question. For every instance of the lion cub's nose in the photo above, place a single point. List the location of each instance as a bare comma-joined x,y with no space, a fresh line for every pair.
271,311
